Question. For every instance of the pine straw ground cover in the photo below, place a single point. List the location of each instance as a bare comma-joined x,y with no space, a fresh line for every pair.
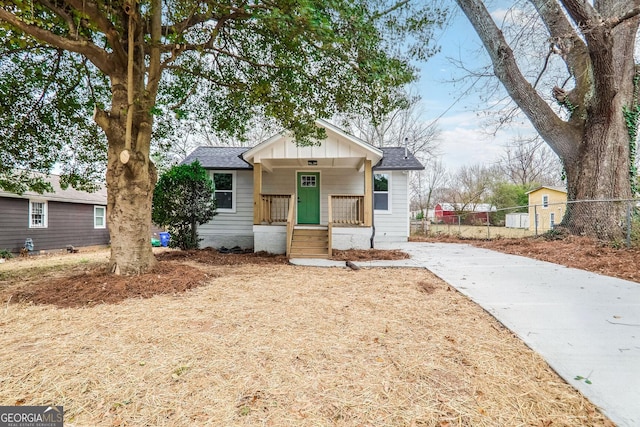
272,344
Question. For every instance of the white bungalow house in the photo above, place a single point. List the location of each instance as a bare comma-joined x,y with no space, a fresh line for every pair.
305,201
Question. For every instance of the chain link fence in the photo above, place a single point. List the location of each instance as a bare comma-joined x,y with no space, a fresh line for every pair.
615,221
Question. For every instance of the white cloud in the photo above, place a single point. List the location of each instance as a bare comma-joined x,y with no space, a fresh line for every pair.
462,142
464,146
499,15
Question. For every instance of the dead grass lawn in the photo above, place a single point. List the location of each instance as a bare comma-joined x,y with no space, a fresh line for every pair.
278,345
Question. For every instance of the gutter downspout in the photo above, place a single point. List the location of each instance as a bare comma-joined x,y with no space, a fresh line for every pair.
373,216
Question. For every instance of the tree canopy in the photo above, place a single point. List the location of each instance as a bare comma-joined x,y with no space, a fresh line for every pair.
134,63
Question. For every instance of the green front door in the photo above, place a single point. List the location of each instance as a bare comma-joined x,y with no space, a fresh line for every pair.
308,197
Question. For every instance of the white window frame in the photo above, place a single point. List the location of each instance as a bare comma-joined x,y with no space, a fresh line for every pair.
545,201
388,192
45,214
103,216
234,195
552,220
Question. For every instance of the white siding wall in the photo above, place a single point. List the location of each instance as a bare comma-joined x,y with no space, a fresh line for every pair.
280,181
233,229
394,227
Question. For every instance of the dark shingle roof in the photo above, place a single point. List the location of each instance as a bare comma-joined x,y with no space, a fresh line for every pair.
229,158
394,159
68,195
219,157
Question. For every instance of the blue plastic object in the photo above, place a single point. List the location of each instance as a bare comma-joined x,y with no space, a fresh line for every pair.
164,238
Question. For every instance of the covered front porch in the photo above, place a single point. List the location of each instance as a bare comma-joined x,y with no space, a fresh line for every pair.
310,200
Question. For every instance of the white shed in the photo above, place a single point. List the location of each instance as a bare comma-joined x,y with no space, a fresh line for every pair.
517,220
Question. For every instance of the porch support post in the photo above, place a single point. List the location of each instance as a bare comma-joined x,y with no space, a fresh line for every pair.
257,189
368,194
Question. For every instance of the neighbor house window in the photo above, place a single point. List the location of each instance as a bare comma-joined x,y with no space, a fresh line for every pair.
381,196
37,214
545,201
99,216
225,183
552,220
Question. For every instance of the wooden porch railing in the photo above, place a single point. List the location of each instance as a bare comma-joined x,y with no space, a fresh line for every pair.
290,225
275,207
347,209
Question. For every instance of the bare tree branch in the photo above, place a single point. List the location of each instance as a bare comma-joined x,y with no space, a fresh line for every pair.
547,123
582,12
630,14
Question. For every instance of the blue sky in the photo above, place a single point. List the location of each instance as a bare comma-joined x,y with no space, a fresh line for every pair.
462,139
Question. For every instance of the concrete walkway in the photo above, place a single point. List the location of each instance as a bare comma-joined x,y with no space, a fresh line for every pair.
582,323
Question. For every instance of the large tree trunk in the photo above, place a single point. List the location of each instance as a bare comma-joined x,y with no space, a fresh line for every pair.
130,193
599,171
598,168
130,186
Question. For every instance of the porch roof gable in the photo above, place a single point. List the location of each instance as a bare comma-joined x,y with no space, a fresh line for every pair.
339,148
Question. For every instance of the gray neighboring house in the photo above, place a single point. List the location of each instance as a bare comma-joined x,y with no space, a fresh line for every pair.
342,193
53,220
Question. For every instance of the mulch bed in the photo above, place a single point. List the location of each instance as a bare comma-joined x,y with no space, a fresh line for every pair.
177,272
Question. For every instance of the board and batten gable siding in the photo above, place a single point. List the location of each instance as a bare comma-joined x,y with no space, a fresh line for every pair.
230,229
394,226
67,224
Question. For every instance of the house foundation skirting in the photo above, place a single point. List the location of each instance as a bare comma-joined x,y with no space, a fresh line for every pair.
270,238
229,241
273,238
344,238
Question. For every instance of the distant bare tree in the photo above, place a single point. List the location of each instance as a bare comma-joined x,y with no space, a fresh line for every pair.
401,126
425,184
471,185
529,160
181,137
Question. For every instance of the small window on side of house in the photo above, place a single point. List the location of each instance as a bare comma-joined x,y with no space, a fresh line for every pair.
99,217
545,201
381,192
225,186
552,220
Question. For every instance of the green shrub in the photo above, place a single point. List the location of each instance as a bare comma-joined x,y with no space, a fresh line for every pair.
182,200
5,253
